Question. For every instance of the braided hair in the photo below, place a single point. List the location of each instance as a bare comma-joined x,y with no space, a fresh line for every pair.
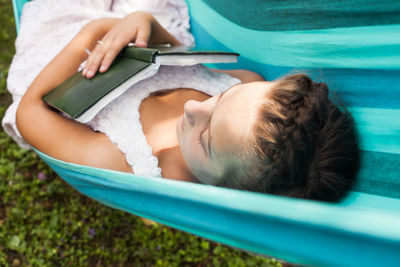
302,145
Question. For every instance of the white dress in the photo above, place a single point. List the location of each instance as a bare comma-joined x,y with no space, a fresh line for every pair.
42,37
46,26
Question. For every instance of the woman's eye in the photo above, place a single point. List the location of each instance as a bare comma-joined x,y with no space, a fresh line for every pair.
200,141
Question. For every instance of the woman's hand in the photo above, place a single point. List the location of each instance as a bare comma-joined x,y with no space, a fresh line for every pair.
134,27
139,27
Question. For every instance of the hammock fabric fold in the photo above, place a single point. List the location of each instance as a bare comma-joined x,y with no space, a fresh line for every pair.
353,46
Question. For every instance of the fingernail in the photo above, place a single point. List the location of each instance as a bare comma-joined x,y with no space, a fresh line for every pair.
103,68
90,73
141,43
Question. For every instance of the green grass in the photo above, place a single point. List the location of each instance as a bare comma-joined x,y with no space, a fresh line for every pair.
45,222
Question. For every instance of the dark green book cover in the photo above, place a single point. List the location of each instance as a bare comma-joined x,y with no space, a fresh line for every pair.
78,94
81,98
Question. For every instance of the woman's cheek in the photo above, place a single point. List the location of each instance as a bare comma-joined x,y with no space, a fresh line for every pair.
186,146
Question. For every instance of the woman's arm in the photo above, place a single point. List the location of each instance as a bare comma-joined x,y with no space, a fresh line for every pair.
71,57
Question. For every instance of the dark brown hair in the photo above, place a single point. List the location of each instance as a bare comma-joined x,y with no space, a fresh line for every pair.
302,144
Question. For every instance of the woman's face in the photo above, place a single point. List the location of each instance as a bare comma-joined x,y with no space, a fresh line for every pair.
213,132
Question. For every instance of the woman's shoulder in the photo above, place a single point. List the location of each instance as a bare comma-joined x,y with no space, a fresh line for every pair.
245,76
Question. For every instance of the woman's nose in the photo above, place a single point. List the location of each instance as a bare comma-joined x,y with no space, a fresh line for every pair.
197,112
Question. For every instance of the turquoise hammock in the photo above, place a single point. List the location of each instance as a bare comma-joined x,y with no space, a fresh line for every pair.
352,45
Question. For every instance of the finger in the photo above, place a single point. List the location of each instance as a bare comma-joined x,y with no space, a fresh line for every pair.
143,35
89,61
112,51
108,59
94,61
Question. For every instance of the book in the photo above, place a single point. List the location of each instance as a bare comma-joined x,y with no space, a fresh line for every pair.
81,98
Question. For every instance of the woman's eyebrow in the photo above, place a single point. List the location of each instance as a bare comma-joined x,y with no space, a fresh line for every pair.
209,129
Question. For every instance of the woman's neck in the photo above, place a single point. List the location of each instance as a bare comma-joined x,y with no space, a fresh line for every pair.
173,166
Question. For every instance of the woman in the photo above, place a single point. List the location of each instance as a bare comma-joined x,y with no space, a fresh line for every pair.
284,137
